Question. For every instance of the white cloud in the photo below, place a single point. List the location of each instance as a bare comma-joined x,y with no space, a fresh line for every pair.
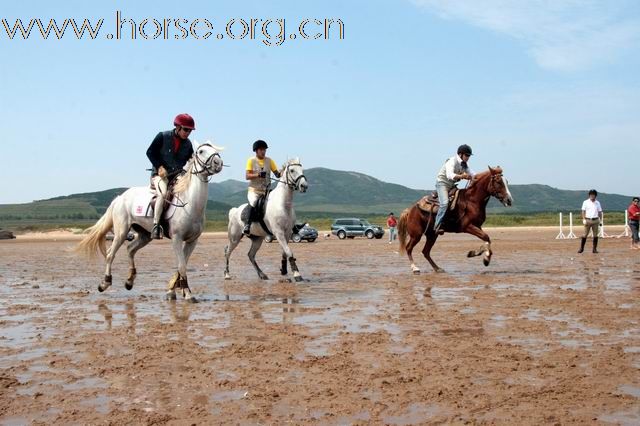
563,35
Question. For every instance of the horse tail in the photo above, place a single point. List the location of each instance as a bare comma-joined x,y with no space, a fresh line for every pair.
95,240
402,230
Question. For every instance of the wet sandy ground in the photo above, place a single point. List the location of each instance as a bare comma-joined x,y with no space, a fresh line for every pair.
540,336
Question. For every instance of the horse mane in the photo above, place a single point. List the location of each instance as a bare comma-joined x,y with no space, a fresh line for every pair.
184,181
482,175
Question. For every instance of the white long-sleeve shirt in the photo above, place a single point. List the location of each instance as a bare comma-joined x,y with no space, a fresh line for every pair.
451,168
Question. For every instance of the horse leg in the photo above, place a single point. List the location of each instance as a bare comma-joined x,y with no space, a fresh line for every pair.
413,241
176,279
141,240
283,267
235,235
486,247
119,236
288,254
426,251
256,242
187,251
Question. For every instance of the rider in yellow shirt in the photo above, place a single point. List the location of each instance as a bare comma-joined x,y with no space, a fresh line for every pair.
258,173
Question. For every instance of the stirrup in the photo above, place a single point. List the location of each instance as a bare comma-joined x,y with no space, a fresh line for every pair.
247,229
157,233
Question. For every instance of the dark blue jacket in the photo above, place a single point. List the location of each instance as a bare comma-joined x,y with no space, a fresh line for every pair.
161,153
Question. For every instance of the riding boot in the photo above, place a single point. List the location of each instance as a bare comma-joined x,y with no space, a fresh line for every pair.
247,227
157,232
583,241
595,244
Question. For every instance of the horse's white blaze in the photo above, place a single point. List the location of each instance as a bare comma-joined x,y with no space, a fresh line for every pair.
506,186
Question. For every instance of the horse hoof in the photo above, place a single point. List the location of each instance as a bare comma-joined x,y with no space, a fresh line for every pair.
486,262
416,272
227,277
170,297
298,279
191,300
439,270
471,254
100,289
264,278
128,286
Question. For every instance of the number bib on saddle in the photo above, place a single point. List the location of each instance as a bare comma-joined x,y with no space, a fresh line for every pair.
143,206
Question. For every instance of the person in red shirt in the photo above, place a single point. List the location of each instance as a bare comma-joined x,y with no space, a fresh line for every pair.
633,213
392,223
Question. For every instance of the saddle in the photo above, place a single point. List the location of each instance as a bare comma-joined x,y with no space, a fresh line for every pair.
257,214
431,204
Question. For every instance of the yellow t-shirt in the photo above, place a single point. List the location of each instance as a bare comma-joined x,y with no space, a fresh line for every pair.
249,168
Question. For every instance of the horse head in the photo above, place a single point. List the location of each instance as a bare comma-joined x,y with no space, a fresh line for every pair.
207,160
293,175
498,186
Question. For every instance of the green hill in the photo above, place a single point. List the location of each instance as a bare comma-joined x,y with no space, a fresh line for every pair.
331,193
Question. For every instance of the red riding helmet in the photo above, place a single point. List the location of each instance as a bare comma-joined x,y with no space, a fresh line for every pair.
184,120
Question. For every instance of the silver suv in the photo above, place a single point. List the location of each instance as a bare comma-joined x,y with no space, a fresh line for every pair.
354,227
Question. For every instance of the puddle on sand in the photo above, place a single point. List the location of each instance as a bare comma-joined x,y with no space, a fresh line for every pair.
232,395
450,296
622,418
99,403
630,390
418,413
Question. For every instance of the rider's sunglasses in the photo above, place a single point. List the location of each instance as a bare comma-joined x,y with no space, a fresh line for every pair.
184,129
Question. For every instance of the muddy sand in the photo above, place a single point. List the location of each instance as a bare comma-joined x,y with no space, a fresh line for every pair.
542,335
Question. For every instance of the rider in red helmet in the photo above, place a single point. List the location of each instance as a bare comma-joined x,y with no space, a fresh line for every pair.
168,153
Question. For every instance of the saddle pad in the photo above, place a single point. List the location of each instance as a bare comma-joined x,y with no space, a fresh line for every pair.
429,203
142,206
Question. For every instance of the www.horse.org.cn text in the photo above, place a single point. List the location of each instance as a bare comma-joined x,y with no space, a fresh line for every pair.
270,31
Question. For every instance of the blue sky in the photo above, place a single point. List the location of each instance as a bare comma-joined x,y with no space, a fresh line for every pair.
547,89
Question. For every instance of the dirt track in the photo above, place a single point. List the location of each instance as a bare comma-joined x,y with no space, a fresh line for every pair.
540,336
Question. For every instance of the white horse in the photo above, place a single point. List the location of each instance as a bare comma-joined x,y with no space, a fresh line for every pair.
279,218
185,216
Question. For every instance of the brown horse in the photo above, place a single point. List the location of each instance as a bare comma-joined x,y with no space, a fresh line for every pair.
468,216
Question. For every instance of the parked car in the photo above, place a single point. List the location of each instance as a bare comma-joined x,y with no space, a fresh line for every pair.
6,235
301,232
354,227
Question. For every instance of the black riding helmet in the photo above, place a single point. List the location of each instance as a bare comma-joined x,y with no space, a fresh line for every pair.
259,144
464,149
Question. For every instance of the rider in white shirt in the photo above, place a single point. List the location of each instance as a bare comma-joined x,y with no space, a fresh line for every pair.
452,171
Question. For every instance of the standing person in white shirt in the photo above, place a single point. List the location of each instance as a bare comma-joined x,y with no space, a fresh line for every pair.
453,170
591,219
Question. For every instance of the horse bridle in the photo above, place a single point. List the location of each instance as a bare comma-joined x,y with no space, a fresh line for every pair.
287,179
205,165
492,191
